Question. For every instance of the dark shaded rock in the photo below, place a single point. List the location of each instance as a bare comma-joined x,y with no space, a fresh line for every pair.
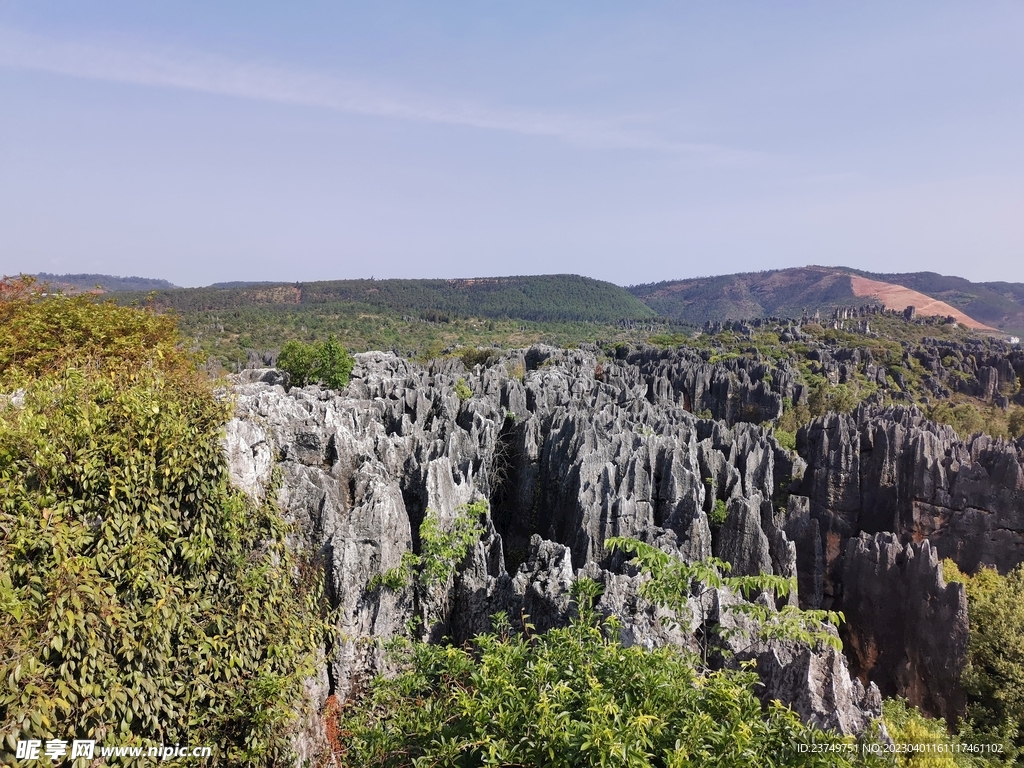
906,628
742,541
803,531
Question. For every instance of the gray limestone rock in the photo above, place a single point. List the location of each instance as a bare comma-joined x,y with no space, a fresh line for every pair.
576,452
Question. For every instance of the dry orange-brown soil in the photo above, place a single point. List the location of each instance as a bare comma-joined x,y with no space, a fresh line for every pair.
897,297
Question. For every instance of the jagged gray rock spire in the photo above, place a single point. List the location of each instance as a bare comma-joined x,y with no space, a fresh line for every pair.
569,451
888,495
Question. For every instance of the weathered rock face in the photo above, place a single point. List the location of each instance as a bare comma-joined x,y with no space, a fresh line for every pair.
921,482
571,454
892,475
907,629
576,451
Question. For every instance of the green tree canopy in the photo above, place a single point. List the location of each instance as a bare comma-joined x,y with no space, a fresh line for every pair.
143,600
327,363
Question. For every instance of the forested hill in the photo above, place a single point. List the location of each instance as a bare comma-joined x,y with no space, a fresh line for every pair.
106,283
541,298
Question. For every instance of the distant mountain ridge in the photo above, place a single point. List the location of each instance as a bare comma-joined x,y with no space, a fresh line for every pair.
791,292
743,296
107,283
555,298
541,298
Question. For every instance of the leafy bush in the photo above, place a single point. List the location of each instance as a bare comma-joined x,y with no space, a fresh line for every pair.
44,334
994,676
718,513
441,551
963,417
462,390
142,599
1015,423
298,361
835,398
906,725
472,356
786,439
969,416
929,745
571,697
326,363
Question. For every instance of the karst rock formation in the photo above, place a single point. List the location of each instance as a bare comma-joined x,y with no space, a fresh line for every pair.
570,448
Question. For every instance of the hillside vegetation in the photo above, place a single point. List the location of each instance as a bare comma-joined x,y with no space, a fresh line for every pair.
418,318
106,283
143,600
241,322
545,298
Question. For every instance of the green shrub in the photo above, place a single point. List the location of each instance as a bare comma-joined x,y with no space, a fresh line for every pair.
786,439
142,599
297,360
927,738
834,398
994,676
333,364
462,390
571,697
326,363
1015,422
793,417
718,513
44,334
969,416
473,356
963,417
441,549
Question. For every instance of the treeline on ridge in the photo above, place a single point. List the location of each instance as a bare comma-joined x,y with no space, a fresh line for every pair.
544,298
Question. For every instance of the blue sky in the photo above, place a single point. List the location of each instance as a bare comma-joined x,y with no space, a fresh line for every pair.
631,142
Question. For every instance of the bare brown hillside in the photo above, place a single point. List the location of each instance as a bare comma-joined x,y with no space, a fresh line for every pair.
900,297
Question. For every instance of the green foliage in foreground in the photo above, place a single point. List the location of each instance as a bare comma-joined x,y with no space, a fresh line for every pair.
142,599
326,363
931,746
572,697
994,676
44,335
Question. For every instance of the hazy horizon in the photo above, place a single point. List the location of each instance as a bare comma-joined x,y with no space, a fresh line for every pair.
251,142
48,275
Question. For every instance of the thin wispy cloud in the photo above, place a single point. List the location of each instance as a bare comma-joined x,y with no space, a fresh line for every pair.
205,73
